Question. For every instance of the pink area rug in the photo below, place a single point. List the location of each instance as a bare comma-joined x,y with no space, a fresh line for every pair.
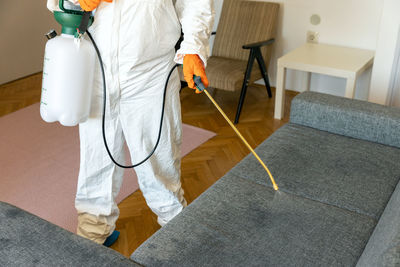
39,165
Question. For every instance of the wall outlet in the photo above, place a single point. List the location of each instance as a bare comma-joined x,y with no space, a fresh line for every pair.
312,37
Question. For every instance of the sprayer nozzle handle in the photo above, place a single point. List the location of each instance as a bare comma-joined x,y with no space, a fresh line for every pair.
199,85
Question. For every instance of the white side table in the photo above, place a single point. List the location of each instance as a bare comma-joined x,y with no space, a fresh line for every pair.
332,60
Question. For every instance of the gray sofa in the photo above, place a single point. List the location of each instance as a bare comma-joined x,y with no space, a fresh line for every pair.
337,163
27,240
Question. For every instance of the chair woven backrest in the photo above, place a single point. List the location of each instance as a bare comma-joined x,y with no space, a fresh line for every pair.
243,22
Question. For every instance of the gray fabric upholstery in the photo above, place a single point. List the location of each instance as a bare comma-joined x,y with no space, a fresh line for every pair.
237,222
335,181
354,118
383,248
349,173
27,240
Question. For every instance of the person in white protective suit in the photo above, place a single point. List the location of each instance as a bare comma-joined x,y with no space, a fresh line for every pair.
136,39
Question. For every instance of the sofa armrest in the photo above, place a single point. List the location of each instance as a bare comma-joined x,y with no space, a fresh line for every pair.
348,117
27,240
383,246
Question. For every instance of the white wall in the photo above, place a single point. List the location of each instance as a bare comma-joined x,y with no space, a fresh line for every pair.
385,54
23,24
218,7
394,86
353,23
394,95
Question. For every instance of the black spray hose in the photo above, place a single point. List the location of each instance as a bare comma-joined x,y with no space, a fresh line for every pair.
104,110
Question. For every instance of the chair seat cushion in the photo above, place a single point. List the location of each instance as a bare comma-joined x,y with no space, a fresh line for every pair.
228,74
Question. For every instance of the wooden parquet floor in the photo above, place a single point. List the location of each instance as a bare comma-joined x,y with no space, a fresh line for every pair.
20,93
200,168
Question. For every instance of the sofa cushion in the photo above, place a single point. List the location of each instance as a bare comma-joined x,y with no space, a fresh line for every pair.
349,173
27,240
349,117
383,248
238,222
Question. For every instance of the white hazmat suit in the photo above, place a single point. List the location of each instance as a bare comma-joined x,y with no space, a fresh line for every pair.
136,39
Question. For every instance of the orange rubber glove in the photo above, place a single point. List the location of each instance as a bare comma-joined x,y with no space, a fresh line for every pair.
90,5
193,65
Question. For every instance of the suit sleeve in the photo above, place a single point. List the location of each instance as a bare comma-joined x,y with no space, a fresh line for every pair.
197,19
52,5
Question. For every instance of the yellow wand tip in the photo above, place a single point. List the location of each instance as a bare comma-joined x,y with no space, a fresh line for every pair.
275,187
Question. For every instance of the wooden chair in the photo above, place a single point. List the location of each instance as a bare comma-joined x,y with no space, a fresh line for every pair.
245,33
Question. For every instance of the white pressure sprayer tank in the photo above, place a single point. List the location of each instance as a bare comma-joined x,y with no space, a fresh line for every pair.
68,73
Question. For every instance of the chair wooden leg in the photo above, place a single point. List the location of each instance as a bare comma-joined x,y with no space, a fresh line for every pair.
263,70
246,81
214,92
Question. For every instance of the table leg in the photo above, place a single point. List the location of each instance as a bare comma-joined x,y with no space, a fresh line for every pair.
307,81
350,86
280,93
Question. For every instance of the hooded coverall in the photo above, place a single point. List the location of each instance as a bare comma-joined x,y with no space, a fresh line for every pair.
136,39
